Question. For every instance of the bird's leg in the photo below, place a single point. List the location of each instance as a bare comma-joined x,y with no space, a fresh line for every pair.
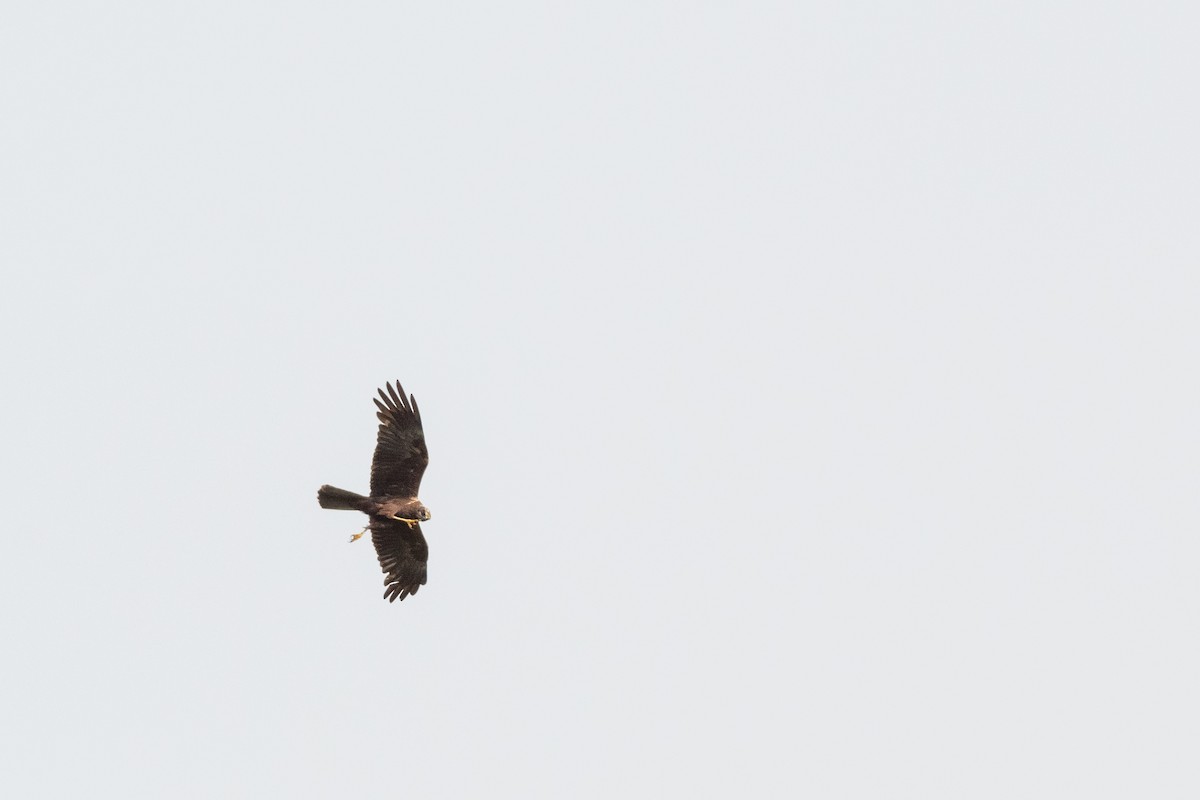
412,523
359,535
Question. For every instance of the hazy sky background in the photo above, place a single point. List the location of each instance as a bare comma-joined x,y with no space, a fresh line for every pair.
811,392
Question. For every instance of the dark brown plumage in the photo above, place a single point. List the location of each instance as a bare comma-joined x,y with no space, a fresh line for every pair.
394,511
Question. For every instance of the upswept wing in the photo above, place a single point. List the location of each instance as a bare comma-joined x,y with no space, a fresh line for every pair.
403,555
400,454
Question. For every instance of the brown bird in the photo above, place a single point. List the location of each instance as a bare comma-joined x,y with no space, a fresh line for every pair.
393,508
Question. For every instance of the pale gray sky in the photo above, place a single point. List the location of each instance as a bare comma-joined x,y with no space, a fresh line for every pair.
811,392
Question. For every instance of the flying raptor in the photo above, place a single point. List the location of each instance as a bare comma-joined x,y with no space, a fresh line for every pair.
394,511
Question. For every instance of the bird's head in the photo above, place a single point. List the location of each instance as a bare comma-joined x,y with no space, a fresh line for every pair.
422,513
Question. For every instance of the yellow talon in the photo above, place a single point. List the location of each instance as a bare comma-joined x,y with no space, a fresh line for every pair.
358,535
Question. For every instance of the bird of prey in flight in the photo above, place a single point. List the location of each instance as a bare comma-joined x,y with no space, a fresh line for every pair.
394,511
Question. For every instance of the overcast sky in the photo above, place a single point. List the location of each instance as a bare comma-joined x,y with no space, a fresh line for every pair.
811,393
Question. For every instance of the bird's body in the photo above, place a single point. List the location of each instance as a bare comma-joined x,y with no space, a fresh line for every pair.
394,511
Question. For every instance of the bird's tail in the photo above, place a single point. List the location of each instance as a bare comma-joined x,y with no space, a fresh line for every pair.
333,497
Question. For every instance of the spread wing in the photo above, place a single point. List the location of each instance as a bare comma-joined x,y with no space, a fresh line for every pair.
400,454
402,554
